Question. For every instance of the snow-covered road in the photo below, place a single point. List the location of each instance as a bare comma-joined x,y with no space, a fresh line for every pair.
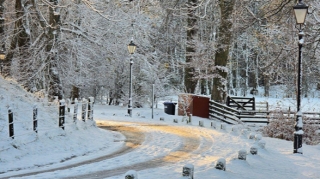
147,146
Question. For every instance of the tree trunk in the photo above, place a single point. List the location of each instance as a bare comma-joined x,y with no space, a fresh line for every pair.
266,84
20,40
55,87
189,81
219,91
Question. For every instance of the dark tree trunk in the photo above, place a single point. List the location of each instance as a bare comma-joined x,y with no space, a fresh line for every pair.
189,81
75,93
219,91
55,87
266,78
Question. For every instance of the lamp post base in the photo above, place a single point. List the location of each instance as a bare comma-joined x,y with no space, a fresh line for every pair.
297,143
130,112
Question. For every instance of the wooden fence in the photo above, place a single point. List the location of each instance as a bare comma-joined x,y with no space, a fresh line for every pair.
86,113
260,115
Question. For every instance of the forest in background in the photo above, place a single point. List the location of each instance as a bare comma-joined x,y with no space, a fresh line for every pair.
78,48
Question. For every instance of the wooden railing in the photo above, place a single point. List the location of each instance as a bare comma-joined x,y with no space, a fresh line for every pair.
233,116
260,115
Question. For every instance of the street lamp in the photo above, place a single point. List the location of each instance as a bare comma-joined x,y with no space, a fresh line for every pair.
2,58
131,48
300,11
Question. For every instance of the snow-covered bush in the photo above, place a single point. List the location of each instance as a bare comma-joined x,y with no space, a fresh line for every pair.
282,127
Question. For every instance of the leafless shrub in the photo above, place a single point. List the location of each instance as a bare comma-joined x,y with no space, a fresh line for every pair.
281,126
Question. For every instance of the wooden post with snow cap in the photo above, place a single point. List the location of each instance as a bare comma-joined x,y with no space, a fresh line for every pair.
62,110
84,107
187,171
10,117
90,108
34,119
131,174
75,110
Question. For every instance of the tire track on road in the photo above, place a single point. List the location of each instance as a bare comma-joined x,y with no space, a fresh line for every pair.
134,138
190,143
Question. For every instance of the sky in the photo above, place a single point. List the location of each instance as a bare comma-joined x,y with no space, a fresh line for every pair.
149,148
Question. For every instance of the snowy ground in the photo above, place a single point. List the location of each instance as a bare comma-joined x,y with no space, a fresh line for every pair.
55,148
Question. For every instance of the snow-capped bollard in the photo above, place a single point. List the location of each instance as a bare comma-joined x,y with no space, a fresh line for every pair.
234,129
201,123
213,125
251,135
262,144
190,118
131,174
242,154
223,126
161,119
257,137
175,120
187,171
244,131
254,150
221,164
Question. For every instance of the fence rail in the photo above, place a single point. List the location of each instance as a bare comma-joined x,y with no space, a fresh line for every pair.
262,115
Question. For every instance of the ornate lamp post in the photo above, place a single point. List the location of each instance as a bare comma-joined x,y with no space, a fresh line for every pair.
300,12
131,48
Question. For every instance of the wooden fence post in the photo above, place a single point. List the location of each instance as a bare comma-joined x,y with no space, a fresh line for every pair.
75,111
10,117
61,114
90,108
35,120
84,106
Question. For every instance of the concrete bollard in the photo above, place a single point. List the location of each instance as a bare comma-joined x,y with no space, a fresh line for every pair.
242,154
175,120
190,116
221,164
251,135
262,144
254,150
257,137
187,171
223,127
161,119
244,131
213,125
201,123
131,174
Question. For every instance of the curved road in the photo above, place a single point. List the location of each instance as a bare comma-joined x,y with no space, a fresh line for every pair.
135,134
